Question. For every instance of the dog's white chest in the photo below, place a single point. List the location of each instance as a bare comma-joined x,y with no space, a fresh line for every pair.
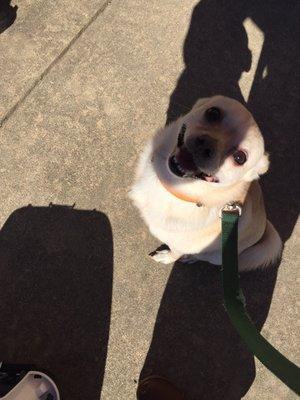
175,222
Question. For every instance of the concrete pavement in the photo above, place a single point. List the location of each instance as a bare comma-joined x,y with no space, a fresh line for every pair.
81,90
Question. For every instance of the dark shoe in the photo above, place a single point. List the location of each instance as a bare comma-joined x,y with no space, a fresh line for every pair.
157,388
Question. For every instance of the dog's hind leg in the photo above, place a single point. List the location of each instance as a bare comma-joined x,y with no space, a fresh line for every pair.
163,254
264,253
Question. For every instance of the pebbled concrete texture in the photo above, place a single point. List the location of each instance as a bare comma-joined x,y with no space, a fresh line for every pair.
73,133
42,31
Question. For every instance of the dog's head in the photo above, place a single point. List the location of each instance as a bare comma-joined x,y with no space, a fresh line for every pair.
217,143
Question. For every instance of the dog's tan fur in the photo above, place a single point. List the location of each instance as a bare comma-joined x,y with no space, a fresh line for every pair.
193,233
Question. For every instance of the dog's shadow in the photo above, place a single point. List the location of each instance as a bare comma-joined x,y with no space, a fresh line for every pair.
194,344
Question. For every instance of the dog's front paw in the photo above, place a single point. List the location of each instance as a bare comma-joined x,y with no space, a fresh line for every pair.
162,255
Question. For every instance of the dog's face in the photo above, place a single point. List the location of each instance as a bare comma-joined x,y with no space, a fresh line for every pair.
217,143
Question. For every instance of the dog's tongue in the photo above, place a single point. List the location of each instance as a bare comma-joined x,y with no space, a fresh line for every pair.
185,159
209,178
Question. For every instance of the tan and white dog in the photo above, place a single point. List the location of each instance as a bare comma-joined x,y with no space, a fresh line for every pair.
192,168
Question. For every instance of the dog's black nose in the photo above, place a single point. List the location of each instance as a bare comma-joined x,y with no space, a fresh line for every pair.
205,146
213,114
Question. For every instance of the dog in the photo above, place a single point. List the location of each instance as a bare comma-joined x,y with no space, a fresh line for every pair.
190,170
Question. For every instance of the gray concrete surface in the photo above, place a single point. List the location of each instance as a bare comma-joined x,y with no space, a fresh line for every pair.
42,33
81,90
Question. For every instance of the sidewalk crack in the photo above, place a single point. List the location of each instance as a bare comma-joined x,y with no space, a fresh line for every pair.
46,71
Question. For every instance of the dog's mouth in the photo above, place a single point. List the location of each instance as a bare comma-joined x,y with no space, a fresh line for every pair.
181,162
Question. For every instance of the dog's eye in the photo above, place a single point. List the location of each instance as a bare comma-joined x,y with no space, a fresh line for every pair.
240,157
213,114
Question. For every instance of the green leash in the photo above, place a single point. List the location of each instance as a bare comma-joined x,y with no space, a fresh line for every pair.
284,369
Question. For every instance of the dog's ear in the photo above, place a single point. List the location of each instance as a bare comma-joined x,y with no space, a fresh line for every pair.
199,103
259,169
263,164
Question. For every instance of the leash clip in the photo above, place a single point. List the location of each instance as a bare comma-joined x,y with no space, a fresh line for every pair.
232,207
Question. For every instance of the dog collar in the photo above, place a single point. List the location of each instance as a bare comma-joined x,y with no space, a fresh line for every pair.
240,198
181,196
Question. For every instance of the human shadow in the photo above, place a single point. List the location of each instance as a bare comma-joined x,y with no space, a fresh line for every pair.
274,101
194,344
216,53
56,268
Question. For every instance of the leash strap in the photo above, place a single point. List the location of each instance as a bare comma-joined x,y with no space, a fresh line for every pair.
284,369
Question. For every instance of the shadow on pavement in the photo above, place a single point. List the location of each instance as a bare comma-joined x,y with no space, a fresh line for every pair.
194,344
8,14
56,268
216,54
